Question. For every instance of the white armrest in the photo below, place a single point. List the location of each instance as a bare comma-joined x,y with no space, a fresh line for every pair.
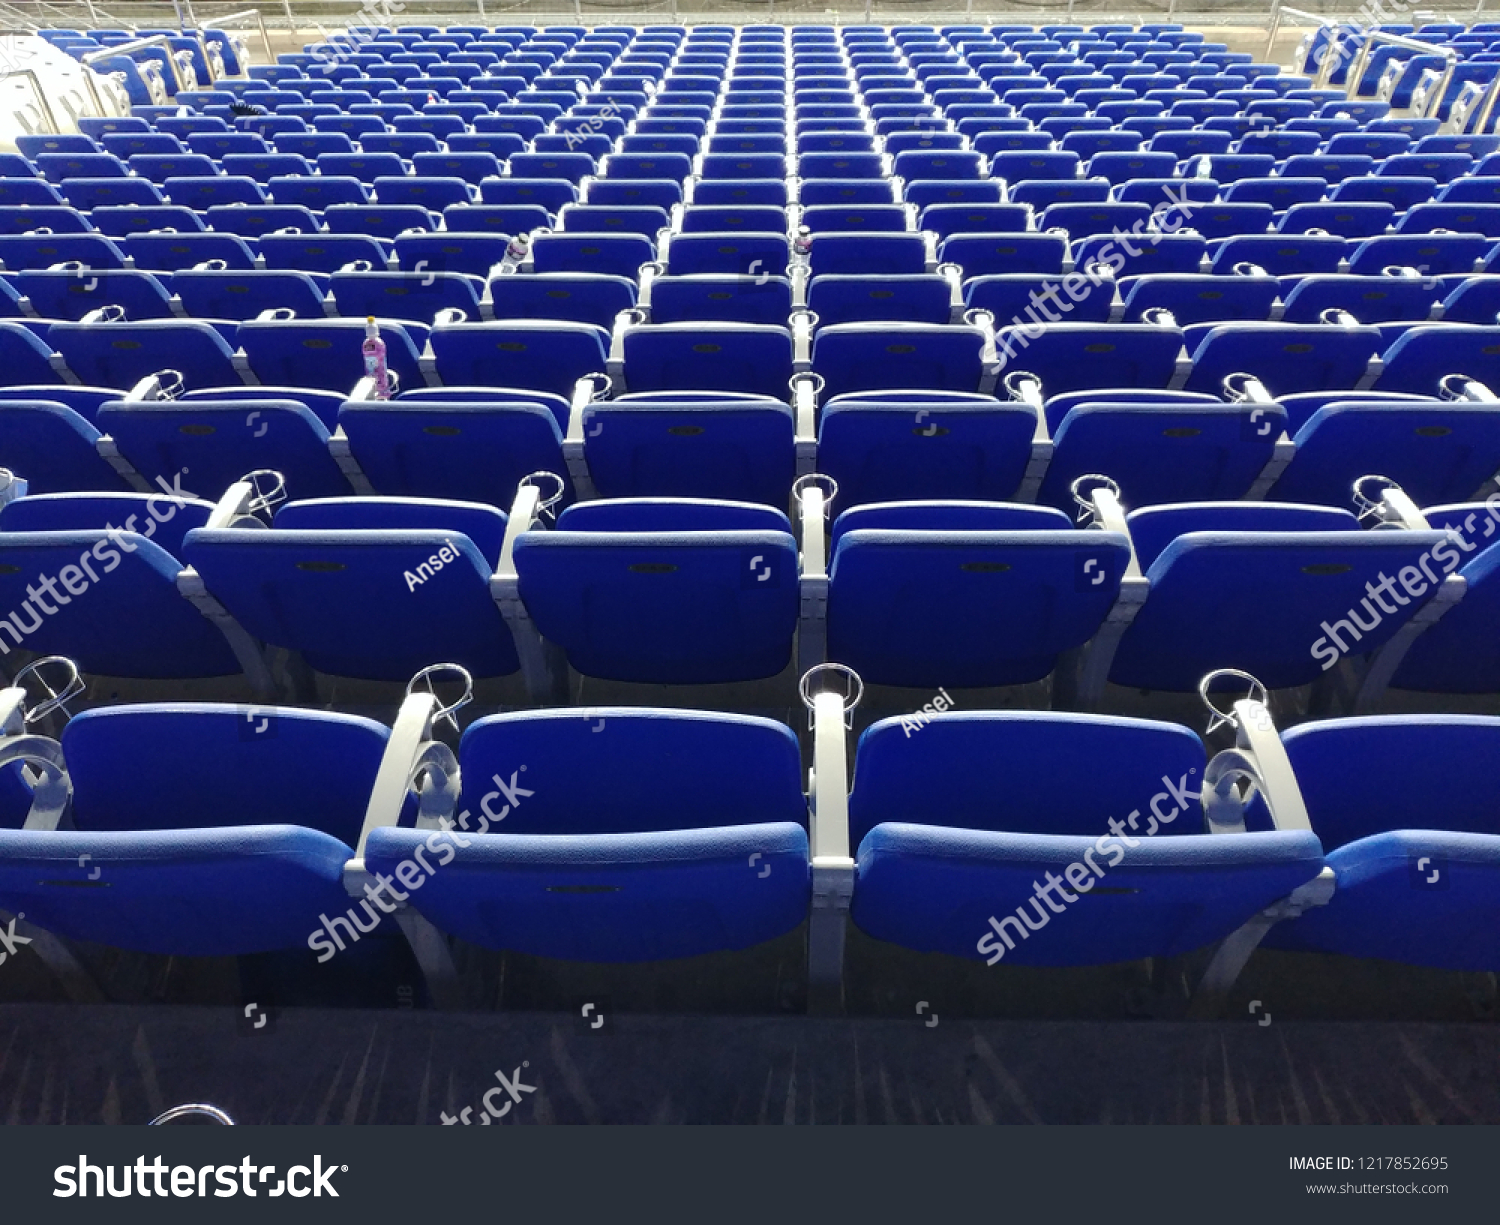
1041,459
409,749
805,388
954,275
802,323
616,363
343,456
505,590
585,392
832,865
812,625
649,273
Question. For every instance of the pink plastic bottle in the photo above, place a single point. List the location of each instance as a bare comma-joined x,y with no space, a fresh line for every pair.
375,368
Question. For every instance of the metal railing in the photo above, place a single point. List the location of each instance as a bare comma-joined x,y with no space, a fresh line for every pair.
223,23
1278,11
155,40
1374,38
31,78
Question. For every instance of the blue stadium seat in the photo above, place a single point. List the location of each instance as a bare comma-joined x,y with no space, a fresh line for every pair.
72,292
323,353
319,253
1370,299
218,441
475,450
1276,572
1163,451
136,624
729,446
540,353
983,593
256,866
207,294
946,865
1081,356
329,580
1286,357
611,583
56,446
414,297
602,865
1199,298
1423,355
889,446
121,353
754,359
1412,847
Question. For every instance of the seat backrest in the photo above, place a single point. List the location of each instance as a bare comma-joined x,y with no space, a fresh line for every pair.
316,769
727,770
938,777
1366,776
671,607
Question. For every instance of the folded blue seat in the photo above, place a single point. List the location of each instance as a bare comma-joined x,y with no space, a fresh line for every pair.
136,624
1011,586
415,297
314,253
1250,585
1198,298
121,353
889,446
43,222
1430,254
191,872
947,863
1413,845
351,584
207,294
612,254
54,445
318,191
1286,357
218,441
729,446
666,591
1000,254
604,857
1437,451
1284,255
1081,356
174,252
380,220
542,354
472,447
71,293
1370,299
1163,452
1424,355
880,356
323,353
